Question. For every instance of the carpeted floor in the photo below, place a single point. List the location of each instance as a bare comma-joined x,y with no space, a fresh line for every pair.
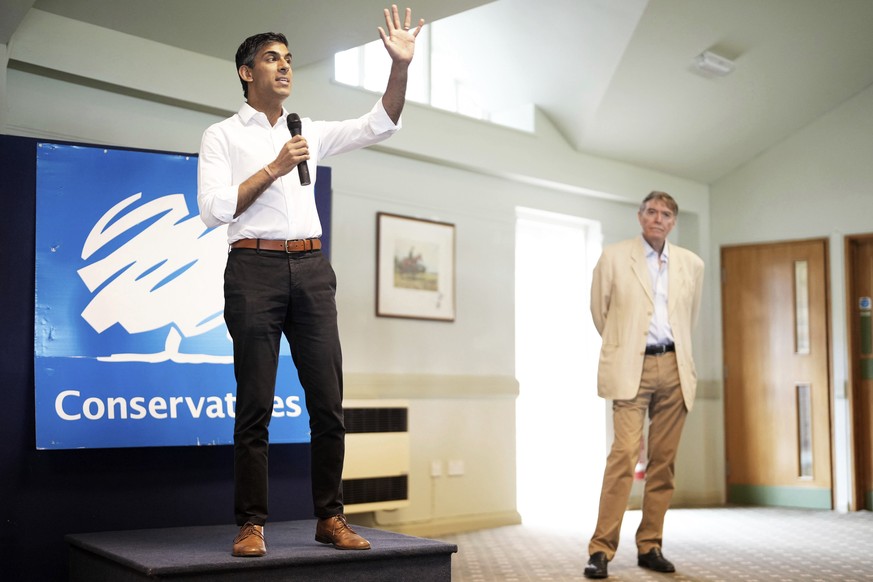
706,545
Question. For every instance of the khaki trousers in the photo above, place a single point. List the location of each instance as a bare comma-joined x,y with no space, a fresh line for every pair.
661,395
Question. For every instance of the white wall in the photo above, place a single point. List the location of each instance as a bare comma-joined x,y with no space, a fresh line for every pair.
459,377
818,183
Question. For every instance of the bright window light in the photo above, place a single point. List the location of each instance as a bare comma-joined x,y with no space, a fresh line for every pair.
436,78
347,67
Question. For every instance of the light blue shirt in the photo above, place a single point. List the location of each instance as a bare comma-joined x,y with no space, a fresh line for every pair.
659,328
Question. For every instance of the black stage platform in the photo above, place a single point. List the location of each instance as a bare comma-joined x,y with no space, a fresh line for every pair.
203,553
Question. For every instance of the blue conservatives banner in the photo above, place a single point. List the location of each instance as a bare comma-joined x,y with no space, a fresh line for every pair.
130,348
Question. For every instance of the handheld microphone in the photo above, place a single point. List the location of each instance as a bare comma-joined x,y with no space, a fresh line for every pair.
295,127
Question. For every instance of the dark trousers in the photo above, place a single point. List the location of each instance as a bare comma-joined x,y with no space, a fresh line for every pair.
269,294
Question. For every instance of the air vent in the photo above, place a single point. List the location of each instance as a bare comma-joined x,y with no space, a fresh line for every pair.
376,469
361,420
375,489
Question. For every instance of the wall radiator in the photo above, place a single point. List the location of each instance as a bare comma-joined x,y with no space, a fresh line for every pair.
376,470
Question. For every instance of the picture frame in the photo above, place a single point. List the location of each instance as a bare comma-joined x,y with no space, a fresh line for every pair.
415,268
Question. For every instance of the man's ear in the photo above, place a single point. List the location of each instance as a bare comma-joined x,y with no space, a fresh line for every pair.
245,73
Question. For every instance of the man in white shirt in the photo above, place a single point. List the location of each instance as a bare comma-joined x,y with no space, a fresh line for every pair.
645,298
276,281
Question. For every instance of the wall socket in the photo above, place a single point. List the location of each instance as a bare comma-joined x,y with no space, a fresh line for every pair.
436,468
456,467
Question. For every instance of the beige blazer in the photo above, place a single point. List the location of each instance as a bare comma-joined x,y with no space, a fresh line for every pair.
622,306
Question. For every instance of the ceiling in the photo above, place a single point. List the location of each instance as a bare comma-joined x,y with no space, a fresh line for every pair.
613,76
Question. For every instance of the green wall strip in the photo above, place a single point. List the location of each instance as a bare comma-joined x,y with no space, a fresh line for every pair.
805,497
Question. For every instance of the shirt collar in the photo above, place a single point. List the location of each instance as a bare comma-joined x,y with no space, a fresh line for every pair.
247,113
650,252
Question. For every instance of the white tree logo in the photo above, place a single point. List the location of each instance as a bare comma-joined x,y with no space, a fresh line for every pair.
169,273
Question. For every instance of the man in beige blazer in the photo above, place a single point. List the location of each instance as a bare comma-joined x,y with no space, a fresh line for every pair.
645,298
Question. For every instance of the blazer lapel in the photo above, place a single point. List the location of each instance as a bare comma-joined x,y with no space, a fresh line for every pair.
641,269
677,280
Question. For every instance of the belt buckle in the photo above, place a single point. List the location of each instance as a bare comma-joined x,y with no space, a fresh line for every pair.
656,349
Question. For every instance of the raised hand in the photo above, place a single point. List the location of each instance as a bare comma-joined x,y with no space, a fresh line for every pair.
399,39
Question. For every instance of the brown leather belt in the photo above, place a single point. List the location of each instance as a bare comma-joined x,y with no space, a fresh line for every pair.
289,246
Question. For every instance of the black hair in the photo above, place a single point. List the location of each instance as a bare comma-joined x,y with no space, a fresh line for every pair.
248,50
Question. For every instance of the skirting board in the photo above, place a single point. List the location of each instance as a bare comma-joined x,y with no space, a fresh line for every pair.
803,497
452,525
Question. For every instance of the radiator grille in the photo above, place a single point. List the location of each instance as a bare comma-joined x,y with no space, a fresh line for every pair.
358,420
375,489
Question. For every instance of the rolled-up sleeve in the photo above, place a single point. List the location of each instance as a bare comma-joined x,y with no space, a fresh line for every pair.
343,136
216,192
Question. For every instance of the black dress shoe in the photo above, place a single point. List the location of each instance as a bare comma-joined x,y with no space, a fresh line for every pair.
596,567
655,560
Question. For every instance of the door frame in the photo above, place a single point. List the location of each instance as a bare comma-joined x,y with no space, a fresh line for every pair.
858,422
829,351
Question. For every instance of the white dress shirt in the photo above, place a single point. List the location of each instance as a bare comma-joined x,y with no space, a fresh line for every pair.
233,150
659,327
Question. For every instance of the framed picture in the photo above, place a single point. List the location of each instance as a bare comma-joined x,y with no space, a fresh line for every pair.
415,268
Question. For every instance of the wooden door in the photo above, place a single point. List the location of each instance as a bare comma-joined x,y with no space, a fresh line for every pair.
776,365
859,261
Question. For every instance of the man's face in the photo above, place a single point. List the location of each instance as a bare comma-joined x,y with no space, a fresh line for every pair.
271,74
656,220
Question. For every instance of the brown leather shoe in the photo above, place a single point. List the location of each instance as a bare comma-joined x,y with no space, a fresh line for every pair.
336,530
250,542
